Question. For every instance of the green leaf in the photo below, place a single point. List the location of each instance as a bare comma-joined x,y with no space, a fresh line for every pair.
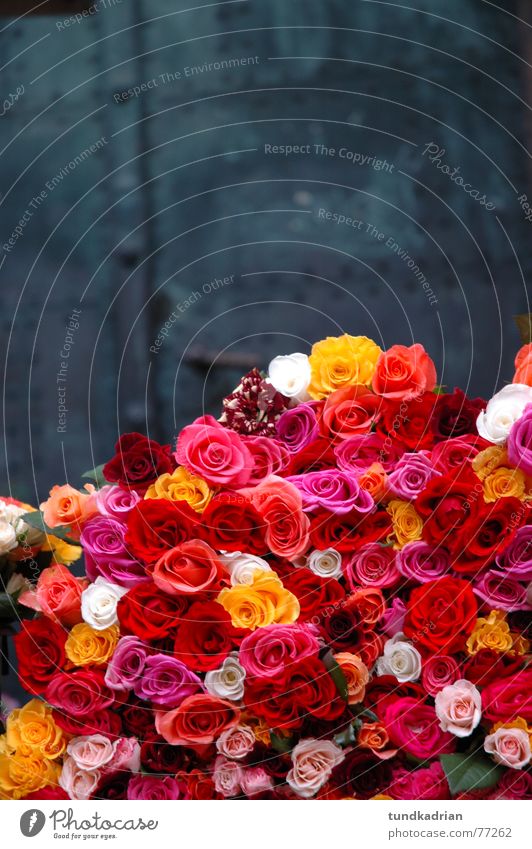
96,476
36,520
469,772
336,674
280,744
439,390
349,735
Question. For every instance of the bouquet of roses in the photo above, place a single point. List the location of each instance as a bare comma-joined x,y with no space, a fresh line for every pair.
323,593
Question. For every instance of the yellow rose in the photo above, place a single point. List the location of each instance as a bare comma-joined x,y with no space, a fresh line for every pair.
85,645
492,632
260,603
62,552
407,523
32,732
181,485
22,774
488,460
339,361
520,644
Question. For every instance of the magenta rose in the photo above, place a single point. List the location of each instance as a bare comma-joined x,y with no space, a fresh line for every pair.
413,726
153,788
393,618
104,543
333,490
438,672
268,652
358,453
499,590
127,663
519,444
516,559
422,562
297,427
411,475
215,453
166,681
426,783
79,693
372,565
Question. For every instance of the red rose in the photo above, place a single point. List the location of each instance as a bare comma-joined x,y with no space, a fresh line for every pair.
455,415
347,532
486,666
40,648
452,453
440,616
79,693
199,785
231,523
488,533
382,690
150,614
156,755
138,462
507,698
315,457
191,567
280,506
362,775
137,721
408,422
349,411
198,720
155,525
205,636
316,595
106,722
51,791
448,505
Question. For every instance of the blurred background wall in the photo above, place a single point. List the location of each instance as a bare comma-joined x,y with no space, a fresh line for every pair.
154,230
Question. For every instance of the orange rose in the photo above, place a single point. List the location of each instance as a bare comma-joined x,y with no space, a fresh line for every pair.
57,595
280,506
198,720
523,365
374,481
356,674
67,506
349,411
373,735
403,372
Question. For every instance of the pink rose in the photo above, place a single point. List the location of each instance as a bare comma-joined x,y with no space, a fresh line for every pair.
78,783
438,672
91,752
411,475
459,708
215,453
115,502
413,726
372,565
255,781
333,490
126,754
266,652
236,742
509,747
227,777
393,618
153,787
426,783
269,455
57,595
312,764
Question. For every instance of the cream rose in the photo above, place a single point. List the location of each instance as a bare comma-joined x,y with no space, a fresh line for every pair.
459,708
312,764
400,659
99,602
509,747
91,752
78,783
236,742
8,537
326,564
503,410
227,682
290,375
242,567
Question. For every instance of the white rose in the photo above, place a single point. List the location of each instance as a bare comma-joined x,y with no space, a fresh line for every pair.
227,682
326,564
312,764
400,659
98,603
8,537
242,567
503,410
290,375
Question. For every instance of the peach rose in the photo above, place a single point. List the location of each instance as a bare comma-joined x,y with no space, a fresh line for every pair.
510,746
459,708
91,752
312,764
78,783
69,507
373,480
356,674
403,372
373,735
57,595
